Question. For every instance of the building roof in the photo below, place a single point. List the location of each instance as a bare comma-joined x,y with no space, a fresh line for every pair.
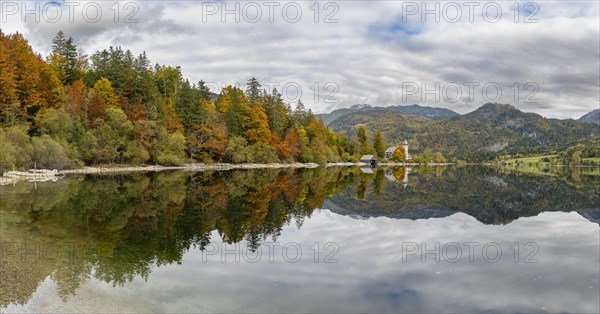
367,157
391,149
405,142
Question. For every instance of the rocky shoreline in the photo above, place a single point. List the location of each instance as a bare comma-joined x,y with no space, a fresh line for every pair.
4,180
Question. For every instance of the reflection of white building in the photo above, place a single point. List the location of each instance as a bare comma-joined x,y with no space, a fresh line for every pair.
407,171
389,174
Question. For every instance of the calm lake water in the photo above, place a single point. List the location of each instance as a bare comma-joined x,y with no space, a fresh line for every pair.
456,239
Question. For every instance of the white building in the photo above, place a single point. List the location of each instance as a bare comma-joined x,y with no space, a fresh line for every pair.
389,153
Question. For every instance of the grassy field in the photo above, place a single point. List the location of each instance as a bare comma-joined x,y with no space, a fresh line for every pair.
537,160
534,165
529,160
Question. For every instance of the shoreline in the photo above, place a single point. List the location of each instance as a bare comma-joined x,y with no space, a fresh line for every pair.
4,180
187,167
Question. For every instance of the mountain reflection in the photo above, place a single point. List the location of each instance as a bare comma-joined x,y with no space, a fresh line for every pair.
119,227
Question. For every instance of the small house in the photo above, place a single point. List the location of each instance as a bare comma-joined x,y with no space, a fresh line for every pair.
369,160
389,153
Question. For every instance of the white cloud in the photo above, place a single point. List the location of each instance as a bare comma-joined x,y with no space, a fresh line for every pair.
375,272
368,53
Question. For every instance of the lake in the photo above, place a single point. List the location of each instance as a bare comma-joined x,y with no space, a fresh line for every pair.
343,239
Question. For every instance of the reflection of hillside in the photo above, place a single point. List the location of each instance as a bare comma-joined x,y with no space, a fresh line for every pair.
116,228
20,274
413,214
490,197
119,227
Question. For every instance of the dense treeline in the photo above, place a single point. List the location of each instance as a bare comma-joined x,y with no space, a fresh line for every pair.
115,108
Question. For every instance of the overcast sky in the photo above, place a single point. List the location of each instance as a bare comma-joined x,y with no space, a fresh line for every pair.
541,56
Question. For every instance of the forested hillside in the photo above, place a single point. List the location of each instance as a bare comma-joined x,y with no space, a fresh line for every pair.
415,110
481,135
111,107
593,116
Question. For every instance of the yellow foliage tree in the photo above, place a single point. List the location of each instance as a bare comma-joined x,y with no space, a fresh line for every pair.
103,89
399,154
256,126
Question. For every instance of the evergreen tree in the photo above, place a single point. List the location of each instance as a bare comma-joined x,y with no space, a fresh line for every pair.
253,91
71,60
58,43
64,58
379,145
277,112
362,140
300,116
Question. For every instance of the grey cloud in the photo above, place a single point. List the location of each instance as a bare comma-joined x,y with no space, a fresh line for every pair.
368,62
143,18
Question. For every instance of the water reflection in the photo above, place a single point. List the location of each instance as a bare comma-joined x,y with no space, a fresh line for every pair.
135,236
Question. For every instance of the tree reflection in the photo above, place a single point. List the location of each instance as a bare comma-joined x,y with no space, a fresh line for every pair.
117,228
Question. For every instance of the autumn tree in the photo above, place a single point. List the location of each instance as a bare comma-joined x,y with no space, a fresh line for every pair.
233,105
399,154
10,108
76,98
256,126
28,83
294,143
8,73
102,96
439,158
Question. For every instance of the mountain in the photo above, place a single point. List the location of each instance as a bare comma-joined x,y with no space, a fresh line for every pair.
593,116
381,118
415,110
479,135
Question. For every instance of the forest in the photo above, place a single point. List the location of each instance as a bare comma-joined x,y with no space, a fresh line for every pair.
71,109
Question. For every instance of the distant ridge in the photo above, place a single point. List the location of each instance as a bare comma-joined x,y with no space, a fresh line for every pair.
415,110
593,116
